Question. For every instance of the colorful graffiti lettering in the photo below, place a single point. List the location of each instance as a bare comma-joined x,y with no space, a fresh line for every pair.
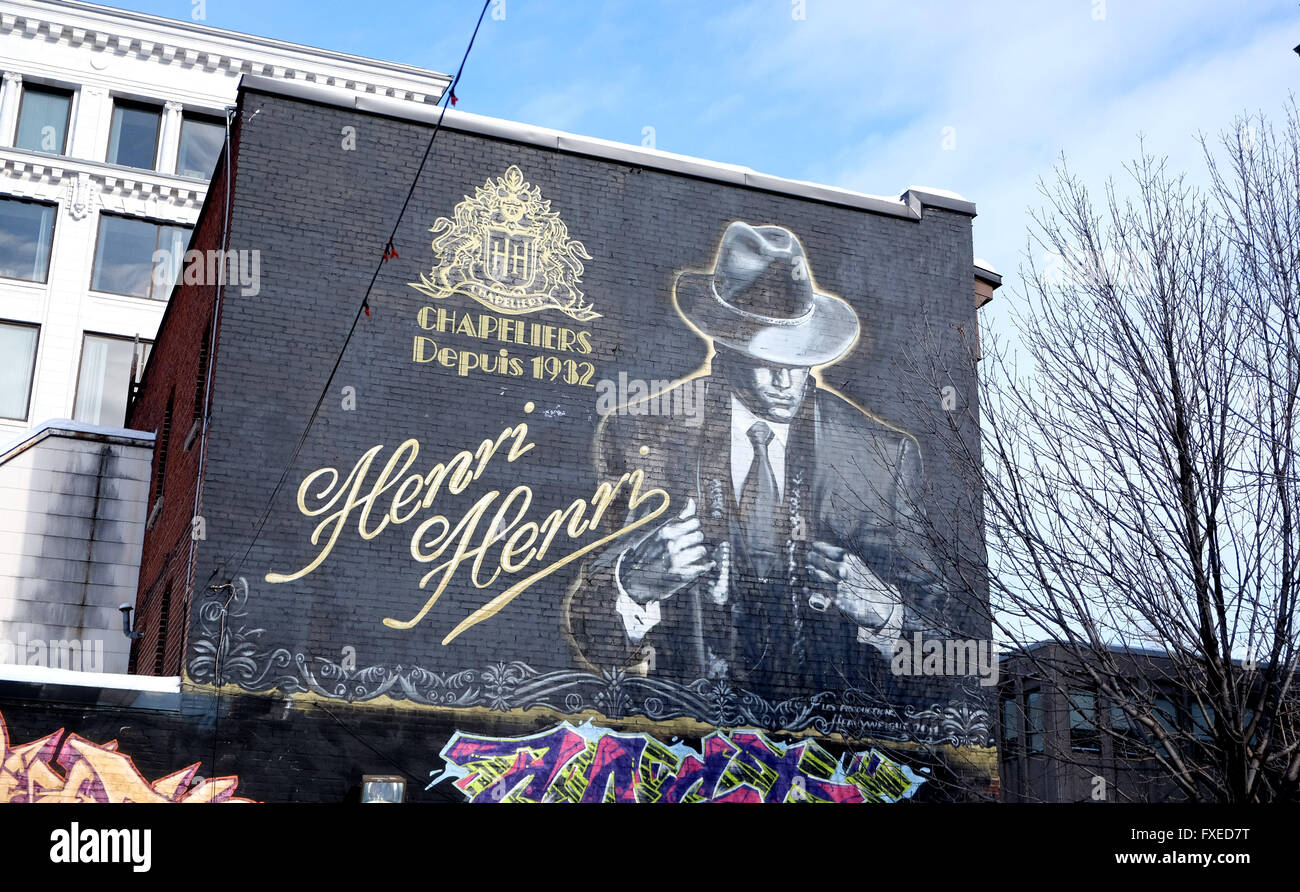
593,764
95,773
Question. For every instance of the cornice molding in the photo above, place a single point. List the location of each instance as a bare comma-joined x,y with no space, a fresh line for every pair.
197,46
82,187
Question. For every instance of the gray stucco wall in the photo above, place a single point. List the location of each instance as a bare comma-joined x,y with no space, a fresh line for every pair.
72,516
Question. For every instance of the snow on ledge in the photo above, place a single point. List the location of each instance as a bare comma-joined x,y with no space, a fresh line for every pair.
56,426
153,684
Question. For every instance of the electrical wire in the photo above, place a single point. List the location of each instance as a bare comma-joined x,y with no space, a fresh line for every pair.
363,307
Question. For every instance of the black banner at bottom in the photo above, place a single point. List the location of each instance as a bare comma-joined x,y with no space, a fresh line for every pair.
108,840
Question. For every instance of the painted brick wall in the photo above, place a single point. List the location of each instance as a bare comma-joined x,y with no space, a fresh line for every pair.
318,211
72,512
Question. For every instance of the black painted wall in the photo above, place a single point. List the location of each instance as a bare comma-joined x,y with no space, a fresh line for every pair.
317,200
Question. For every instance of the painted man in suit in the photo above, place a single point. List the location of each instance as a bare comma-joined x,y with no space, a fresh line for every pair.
792,562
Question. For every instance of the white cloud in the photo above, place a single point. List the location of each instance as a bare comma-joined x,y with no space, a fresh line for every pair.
1018,84
564,109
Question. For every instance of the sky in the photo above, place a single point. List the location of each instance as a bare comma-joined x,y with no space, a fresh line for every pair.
981,99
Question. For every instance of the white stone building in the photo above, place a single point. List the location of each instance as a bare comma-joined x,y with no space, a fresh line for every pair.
110,124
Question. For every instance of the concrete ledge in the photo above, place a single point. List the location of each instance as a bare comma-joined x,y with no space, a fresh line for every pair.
77,430
153,684
100,689
918,197
985,272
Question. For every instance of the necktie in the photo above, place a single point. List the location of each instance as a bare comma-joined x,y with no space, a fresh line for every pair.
759,502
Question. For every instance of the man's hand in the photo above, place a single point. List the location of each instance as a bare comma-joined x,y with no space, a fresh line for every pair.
672,557
859,593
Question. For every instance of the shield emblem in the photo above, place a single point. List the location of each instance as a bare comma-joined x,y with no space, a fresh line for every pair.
509,257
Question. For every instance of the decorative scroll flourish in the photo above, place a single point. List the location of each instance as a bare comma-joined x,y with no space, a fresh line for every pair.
229,653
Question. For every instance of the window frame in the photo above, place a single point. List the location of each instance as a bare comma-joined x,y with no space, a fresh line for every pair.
158,224
49,251
31,374
1085,737
1035,696
1171,720
1009,707
70,92
1125,740
128,102
81,359
201,116
1203,719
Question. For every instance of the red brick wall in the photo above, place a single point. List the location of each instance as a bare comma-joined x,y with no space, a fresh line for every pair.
172,379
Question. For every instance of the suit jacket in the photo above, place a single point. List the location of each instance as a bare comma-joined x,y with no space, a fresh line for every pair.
849,481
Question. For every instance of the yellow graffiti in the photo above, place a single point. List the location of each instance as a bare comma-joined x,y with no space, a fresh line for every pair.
95,773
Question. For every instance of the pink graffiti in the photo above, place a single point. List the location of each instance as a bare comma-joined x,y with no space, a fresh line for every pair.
593,764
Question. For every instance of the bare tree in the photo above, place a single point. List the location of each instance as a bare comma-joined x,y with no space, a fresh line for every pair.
1140,486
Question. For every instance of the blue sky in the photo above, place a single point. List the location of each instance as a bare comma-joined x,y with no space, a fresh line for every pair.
856,93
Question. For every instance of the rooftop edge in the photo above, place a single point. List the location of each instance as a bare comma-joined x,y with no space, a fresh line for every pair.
909,205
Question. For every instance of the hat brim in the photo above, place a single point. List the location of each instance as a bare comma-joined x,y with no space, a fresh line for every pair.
828,333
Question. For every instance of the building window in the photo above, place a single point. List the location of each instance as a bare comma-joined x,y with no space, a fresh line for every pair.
133,139
201,140
1010,726
109,368
26,236
1166,713
1034,721
137,257
1203,722
201,376
164,436
43,115
1084,736
18,347
164,624
1125,740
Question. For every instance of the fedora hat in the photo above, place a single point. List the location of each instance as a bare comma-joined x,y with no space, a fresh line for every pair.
759,300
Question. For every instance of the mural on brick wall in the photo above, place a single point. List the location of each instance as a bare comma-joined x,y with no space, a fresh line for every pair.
72,769
545,519
793,566
588,763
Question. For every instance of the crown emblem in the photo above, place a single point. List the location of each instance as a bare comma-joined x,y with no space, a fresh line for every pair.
508,250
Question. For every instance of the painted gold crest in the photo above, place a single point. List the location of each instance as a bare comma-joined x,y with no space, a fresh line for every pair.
509,251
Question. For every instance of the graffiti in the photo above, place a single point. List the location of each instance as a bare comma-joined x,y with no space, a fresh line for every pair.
593,764
95,773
